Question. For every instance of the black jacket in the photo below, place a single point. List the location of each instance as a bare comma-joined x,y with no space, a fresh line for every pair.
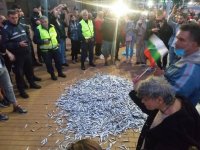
2,49
108,29
179,131
12,35
34,18
164,33
60,28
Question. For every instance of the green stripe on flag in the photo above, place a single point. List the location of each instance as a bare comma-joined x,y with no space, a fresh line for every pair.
153,50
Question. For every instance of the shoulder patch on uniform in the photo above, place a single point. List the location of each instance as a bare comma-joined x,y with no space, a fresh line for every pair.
6,26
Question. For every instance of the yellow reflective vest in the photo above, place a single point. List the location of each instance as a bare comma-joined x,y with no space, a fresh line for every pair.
87,29
50,35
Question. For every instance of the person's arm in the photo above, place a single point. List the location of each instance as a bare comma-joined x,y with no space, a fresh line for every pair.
80,35
58,35
10,56
184,80
138,102
36,38
170,18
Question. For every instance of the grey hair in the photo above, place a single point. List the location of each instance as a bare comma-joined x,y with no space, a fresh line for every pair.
44,18
155,87
84,12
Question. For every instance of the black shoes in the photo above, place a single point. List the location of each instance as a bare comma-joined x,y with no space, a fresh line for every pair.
92,64
82,67
53,77
106,64
65,64
5,102
35,86
137,63
36,78
24,94
62,75
3,117
19,109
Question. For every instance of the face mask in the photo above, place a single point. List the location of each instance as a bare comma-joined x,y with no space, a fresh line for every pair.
179,52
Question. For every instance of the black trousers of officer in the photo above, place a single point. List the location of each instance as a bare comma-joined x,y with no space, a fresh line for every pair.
48,57
23,65
87,47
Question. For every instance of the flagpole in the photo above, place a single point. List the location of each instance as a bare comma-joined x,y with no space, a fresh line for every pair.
138,77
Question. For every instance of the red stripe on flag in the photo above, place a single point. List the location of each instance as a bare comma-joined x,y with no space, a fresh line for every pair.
147,53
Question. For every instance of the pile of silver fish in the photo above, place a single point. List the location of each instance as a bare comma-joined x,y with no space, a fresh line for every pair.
97,107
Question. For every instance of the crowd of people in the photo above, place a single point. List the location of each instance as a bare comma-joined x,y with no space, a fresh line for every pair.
169,100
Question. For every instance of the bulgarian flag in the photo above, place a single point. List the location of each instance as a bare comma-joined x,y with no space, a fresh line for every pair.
155,50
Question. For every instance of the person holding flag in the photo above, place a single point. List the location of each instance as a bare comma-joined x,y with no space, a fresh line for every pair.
184,74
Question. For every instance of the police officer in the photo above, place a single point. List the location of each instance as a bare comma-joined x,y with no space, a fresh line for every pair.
46,37
16,41
86,35
6,85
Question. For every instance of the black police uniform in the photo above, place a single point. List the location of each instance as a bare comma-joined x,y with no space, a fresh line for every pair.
11,37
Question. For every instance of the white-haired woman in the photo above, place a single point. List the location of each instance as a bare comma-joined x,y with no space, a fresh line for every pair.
172,123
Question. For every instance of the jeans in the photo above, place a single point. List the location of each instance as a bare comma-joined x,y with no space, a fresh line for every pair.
6,84
129,47
62,48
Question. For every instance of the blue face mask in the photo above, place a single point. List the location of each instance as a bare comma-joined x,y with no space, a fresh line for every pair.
179,52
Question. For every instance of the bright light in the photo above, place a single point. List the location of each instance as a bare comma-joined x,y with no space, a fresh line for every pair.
119,8
150,3
190,3
145,13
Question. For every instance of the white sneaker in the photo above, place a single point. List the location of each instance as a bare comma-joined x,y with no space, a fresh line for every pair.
101,56
198,108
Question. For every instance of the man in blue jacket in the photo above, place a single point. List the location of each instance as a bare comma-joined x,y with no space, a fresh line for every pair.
184,74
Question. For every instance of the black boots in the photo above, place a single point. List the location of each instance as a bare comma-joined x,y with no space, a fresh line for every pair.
53,76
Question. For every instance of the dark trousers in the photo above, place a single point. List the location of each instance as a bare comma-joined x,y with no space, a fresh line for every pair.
48,57
87,47
39,53
117,48
98,49
23,65
33,54
75,49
